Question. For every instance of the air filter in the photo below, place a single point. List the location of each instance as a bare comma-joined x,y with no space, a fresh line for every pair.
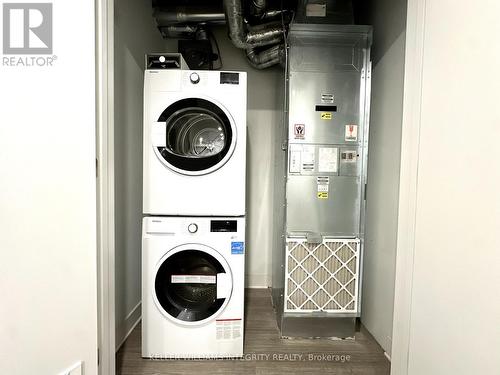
322,277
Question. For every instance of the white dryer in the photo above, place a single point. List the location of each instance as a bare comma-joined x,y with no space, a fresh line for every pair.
193,287
194,142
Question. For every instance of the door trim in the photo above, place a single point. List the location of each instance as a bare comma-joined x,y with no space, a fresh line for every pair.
105,186
408,188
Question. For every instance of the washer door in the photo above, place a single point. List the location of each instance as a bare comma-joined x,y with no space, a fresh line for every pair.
200,136
192,284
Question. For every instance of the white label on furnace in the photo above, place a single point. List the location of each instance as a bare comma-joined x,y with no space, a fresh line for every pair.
323,188
328,159
351,133
327,98
316,10
307,158
193,279
295,152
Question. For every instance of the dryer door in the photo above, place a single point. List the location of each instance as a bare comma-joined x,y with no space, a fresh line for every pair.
199,136
192,284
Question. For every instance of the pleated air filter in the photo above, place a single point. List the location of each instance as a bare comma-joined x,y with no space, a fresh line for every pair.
322,276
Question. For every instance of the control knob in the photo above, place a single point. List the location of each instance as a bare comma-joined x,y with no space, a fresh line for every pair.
194,78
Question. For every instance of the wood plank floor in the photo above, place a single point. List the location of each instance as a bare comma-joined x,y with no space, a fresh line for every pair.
261,339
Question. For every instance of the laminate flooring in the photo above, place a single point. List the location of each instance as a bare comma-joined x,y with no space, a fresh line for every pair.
265,352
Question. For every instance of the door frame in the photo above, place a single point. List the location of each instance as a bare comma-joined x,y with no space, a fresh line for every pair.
410,141
104,19
408,185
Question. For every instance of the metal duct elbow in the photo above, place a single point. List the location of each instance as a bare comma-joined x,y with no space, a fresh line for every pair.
235,23
256,36
266,58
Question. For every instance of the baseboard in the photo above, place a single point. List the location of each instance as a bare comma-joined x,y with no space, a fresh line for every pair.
256,281
125,329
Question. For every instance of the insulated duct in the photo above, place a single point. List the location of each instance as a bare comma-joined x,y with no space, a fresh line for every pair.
244,36
258,7
266,58
251,37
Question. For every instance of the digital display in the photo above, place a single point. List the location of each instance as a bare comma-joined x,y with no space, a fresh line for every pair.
229,78
223,226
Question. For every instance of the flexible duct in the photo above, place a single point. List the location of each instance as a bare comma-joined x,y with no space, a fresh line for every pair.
171,21
264,35
266,58
257,8
249,37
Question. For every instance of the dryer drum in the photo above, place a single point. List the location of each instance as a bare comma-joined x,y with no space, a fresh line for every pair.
198,134
188,301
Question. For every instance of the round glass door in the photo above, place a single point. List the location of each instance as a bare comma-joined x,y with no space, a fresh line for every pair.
199,136
187,287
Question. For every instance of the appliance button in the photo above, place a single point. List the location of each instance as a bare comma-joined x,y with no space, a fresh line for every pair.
194,77
192,228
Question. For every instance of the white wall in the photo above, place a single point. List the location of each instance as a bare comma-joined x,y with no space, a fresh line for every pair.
135,35
388,54
48,312
454,305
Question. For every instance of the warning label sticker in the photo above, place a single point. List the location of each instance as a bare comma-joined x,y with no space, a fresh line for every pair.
228,329
326,115
299,131
327,98
323,187
351,133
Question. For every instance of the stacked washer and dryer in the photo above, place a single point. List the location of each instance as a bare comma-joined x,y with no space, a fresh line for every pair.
193,246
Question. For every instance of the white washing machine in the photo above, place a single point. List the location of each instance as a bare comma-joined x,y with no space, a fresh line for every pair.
194,142
193,272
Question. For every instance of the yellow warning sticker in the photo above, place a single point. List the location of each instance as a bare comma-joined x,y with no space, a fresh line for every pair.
322,195
326,115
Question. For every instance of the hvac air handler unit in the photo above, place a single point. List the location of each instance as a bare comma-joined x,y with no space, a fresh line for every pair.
321,180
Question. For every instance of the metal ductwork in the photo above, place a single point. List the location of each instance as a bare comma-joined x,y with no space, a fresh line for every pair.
244,36
263,42
251,37
173,15
179,31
